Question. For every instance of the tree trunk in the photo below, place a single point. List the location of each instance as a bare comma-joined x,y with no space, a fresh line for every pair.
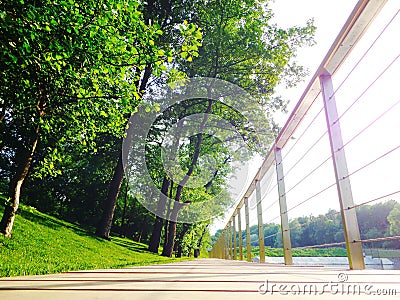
171,239
166,224
25,161
185,228
125,205
140,236
197,251
104,227
182,183
180,250
172,229
167,216
158,223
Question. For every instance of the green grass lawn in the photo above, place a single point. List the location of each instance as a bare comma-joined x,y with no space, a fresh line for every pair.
42,244
386,253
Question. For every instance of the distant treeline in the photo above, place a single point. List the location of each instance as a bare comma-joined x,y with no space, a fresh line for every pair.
375,221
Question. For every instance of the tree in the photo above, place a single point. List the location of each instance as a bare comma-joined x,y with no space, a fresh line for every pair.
185,39
188,151
394,220
241,47
66,75
374,219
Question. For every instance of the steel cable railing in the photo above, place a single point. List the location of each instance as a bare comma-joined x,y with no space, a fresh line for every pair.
371,162
360,96
306,152
322,245
308,174
365,54
305,130
311,197
370,124
270,206
373,200
343,177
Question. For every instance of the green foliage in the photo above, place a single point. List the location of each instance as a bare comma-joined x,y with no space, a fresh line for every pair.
71,68
241,45
382,253
70,75
394,220
42,244
68,69
72,72
196,238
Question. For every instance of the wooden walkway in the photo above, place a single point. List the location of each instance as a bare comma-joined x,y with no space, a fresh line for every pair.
206,279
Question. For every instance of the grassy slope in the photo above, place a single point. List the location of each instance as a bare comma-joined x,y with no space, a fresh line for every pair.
42,244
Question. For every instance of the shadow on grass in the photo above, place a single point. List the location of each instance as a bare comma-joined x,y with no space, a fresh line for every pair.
130,245
51,222
56,224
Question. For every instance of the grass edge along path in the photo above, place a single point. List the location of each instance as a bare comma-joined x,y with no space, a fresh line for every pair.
42,244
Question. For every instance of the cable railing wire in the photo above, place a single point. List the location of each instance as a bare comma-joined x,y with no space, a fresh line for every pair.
370,124
365,53
388,238
367,88
277,217
371,162
269,206
303,133
311,197
270,190
305,153
373,200
272,235
321,245
338,212
304,115
308,175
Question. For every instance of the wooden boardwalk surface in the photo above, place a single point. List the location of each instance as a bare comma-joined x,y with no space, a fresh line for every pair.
207,279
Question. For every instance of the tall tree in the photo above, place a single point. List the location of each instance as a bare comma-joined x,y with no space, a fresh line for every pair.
175,41
66,74
241,46
394,227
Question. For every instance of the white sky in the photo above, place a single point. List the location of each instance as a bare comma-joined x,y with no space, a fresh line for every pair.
379,178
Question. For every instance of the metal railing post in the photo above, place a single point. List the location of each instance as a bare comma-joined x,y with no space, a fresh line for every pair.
287,245
229,234
221,249
240,235
227,251
349,217
226,245
234,238
247,217
260,222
